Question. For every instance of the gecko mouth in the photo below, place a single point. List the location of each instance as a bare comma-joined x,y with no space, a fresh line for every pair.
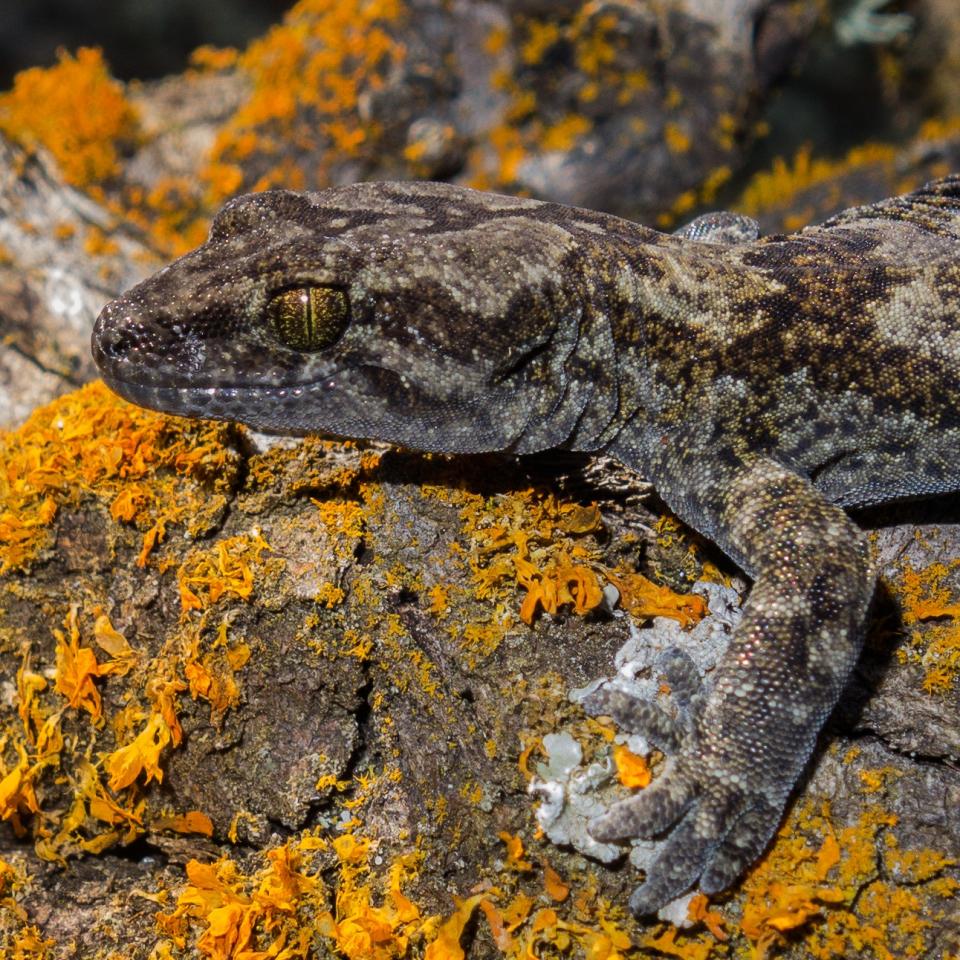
182,401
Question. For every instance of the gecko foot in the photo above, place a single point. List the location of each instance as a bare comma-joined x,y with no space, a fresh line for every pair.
714,828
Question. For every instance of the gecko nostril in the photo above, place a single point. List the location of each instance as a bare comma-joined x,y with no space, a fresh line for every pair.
120,345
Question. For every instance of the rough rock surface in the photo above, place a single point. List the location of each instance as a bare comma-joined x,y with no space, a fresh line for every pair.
336,632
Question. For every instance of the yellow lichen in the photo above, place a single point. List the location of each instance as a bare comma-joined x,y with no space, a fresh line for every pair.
676,139
565,134
778,188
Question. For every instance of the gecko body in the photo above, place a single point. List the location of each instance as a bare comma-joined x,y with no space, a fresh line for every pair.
763,385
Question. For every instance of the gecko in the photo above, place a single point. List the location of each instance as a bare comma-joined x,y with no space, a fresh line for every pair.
764,385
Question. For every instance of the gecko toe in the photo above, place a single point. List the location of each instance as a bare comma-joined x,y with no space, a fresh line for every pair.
694,851
674,871
638,717
649,812
681,673
742,845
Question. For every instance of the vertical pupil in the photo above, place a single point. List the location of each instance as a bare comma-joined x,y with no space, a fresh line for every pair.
309,317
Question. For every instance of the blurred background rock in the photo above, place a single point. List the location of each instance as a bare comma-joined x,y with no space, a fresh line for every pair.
141,39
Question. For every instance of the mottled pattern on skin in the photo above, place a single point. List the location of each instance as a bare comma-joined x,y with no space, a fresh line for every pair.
761,384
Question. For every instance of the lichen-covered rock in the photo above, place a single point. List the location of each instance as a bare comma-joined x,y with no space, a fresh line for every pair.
301,693
56,267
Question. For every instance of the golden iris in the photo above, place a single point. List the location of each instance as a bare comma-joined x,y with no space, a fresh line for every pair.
309,318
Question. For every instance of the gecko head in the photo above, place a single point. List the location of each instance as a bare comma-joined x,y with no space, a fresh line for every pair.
424,314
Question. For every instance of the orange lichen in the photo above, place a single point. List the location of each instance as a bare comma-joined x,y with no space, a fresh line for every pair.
209,57
446,945
17,794
226,569
541,543
546,930
307,78
439,600
520,930
564,134
97,244
91,444
595,44
935,647
515,853
19,939
677,140
345,521
554,885
644,598
193,821
826,184
632,771
280,908
36,745
76,668
114,644
142,755
821,882
541,36
698,911
76,111
210,675
307,75
85,451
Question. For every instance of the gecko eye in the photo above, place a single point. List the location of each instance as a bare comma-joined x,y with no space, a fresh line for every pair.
309,318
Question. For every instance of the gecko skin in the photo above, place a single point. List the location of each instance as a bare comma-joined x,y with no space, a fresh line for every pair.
763,385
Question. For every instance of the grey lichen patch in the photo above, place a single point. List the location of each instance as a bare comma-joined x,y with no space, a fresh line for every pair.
569,797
